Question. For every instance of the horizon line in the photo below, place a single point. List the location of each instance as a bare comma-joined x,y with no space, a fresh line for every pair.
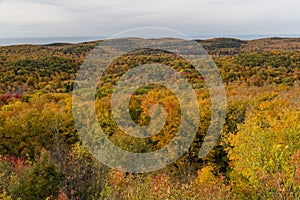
84,39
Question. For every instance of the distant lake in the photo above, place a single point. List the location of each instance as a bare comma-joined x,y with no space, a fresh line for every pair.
15,41
48,40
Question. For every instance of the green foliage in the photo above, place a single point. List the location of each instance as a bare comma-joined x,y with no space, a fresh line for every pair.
43,180
7,176
261,68
29,68
85,176
52,68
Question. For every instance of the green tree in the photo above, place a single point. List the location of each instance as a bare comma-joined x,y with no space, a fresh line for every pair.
43,180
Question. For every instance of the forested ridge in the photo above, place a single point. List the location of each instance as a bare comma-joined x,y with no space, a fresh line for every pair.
52,68
257,156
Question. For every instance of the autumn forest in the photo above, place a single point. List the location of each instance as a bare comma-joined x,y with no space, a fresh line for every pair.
256,157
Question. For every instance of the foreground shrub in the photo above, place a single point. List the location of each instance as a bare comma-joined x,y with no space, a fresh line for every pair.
161,186
265,153
41,181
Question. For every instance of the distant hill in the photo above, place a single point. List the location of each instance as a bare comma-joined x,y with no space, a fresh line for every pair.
233,46
52,67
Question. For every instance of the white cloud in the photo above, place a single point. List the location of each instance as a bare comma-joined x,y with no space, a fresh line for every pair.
21,13
105,17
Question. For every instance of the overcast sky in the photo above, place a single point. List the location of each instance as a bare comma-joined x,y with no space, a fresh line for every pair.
69,18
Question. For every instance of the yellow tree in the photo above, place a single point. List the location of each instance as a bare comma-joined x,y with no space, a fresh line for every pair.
264,154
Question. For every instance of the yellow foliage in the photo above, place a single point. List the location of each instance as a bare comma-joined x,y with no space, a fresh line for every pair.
5,196
262,151
205,175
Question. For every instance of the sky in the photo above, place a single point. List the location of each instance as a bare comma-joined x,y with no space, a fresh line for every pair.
76,18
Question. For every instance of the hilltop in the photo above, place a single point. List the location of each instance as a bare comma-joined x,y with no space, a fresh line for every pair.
52,67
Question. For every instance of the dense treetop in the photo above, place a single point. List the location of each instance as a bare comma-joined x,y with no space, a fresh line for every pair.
52,68
256,157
